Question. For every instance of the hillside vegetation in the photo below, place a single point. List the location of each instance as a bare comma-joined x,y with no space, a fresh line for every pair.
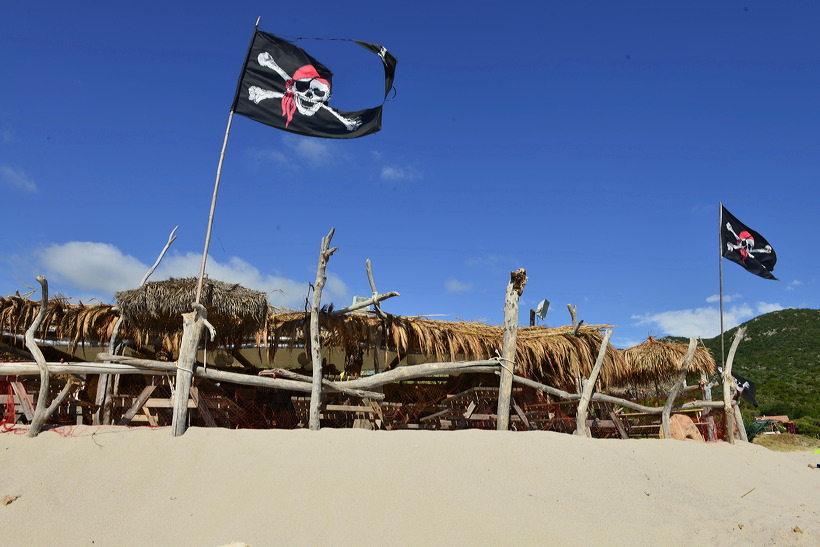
780,353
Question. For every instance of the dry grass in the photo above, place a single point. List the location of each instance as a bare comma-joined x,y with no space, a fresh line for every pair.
787,442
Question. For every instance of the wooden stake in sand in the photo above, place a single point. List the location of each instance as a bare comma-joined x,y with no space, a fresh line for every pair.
41,411
514,290
676,386
583,404
728,387
193,323
315,341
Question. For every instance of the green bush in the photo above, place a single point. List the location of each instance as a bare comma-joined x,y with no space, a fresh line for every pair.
808,426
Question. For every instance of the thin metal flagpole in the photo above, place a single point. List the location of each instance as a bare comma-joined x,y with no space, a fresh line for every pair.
213,206
720,261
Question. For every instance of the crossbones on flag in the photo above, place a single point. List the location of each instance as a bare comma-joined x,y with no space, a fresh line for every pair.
284,87
746,388
741,244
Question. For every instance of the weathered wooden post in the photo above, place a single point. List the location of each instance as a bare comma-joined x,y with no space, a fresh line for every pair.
193,322
707,396
673,393
728,387
42,412
315,339
514,290
589,386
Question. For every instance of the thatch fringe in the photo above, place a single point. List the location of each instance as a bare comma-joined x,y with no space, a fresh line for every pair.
153,310
654,361
552,355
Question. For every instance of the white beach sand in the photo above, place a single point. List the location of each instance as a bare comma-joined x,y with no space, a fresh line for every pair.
140,486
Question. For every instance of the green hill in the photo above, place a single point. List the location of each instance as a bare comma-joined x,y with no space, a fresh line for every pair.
780,353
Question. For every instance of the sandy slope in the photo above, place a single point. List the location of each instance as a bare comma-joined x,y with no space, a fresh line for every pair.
118,486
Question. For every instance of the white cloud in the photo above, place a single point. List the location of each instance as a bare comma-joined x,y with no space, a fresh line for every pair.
393,172
99,270
453,285
313,150
703,322
89,266
726,298
17,178
298,152
765,307
793,285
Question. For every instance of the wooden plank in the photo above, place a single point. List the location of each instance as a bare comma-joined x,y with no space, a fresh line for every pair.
348,408
140,400
23,399
521,414
202,408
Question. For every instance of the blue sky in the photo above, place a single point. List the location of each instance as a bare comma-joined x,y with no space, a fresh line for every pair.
587,142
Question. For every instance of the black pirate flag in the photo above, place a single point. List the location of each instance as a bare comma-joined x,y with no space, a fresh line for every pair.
745,388
284,87
743,245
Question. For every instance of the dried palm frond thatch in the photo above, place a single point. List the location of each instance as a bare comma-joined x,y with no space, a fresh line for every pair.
552,355
154,309
78,323
654,361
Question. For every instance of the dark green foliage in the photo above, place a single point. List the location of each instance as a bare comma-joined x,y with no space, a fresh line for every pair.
808,426
780,353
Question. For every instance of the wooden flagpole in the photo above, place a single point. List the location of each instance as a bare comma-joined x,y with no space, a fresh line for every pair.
720,262
213,199
213,206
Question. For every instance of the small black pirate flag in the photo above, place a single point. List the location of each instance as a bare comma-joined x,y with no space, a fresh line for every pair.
743,245
745,388
284,87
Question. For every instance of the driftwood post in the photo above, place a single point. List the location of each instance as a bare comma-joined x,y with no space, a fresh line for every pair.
707,396
673,393
315,341
42,412
192,324
514,290
728,387
103,402
583,404
380,314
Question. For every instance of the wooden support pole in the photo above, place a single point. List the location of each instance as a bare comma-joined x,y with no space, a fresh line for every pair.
728,387
42,412
193,323
707,395
515,288
315,338
589,387
676,386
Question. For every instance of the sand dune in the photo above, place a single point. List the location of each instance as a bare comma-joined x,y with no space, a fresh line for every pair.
140,486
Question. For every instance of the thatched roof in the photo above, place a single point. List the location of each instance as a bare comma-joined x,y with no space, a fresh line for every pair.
75,322
655,361
552,355
154,309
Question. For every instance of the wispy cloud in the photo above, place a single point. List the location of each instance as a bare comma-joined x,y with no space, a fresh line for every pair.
298,152
726,298
6,136
398,173
98,270
703,322
454,285
17,179
793,285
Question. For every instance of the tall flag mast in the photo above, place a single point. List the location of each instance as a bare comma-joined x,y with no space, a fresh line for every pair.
284,87
744,246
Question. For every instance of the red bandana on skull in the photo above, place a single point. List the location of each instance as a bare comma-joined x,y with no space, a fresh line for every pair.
306,73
